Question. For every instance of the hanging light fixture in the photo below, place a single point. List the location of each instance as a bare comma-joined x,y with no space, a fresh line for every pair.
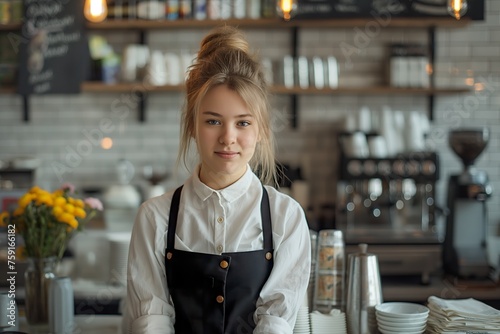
95,10
286,8
457,8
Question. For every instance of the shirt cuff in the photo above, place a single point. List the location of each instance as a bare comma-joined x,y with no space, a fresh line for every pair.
153,324
272,325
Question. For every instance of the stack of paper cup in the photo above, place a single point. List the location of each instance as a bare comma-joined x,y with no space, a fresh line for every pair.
329,282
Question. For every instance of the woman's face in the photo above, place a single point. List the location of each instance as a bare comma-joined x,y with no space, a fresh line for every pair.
227,134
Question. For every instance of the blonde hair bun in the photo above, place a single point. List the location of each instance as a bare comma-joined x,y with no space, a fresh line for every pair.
223,38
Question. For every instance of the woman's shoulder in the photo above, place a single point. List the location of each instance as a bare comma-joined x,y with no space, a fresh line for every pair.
281,201
158,204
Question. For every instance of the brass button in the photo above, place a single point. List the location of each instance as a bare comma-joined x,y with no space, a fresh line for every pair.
220,299
169,255
224,264
269,256
220,220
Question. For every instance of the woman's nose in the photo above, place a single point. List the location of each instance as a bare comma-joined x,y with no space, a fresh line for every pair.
228,135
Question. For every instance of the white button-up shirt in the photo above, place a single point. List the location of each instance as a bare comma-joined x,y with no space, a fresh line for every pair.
216,221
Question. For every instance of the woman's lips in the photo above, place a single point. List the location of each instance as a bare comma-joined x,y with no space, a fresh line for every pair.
226,154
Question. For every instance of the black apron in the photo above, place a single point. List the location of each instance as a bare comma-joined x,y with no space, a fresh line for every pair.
216,293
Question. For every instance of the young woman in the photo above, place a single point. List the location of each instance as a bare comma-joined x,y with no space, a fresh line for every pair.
223,253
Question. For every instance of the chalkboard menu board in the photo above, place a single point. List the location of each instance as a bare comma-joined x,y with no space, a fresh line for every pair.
309,9
53,47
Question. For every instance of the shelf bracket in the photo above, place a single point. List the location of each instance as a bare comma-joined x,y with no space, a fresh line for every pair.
26,108
293,99
141,106
432,58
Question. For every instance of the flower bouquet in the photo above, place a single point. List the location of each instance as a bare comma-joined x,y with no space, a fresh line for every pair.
46,222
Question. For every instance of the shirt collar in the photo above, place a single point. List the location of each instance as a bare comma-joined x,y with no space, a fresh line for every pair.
230,193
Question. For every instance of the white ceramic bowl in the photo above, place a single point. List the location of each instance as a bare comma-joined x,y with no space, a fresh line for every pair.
403,329
402,310
412,319
385,331
390,322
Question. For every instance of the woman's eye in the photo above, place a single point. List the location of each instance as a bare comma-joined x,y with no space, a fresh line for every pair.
213,122
243,123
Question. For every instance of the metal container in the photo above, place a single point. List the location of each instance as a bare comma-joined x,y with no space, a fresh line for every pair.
61,306
364,292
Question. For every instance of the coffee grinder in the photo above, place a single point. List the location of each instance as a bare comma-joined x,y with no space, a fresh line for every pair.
464,253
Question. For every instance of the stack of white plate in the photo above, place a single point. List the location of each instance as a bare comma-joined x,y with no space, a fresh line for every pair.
118,257
400,317
328,323
303,324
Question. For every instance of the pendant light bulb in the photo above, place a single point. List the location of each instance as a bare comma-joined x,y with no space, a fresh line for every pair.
457,8
95,10
286,8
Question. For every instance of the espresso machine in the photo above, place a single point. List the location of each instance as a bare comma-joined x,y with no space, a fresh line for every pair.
389,203
464,252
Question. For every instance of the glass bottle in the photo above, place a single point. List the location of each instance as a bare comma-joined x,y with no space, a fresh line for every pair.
37,281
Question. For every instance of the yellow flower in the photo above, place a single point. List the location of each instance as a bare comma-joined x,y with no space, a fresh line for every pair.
57,211
68,219
25,200
39,191
3,218
44,199
79,203
71,200
59,201
80,213
69,208
35,190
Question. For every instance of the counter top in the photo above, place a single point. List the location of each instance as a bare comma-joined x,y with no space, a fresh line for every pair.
84,324
411,290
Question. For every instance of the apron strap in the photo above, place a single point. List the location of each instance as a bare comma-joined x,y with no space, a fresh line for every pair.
172,218
265,213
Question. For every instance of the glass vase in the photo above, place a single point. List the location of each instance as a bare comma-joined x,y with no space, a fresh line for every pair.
37,281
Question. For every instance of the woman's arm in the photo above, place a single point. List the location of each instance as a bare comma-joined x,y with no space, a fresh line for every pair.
284,291
147,308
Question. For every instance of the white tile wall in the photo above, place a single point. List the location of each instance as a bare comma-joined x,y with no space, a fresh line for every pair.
56,132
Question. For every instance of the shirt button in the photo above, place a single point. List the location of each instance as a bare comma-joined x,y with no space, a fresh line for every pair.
224,264
219,299
220,220
220,248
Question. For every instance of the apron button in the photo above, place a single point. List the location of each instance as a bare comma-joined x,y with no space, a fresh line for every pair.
269,256
169,255
224,264
219,299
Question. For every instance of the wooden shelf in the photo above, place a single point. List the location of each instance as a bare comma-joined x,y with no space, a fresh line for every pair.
135,87
97,87
140,24
372,90
276,23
